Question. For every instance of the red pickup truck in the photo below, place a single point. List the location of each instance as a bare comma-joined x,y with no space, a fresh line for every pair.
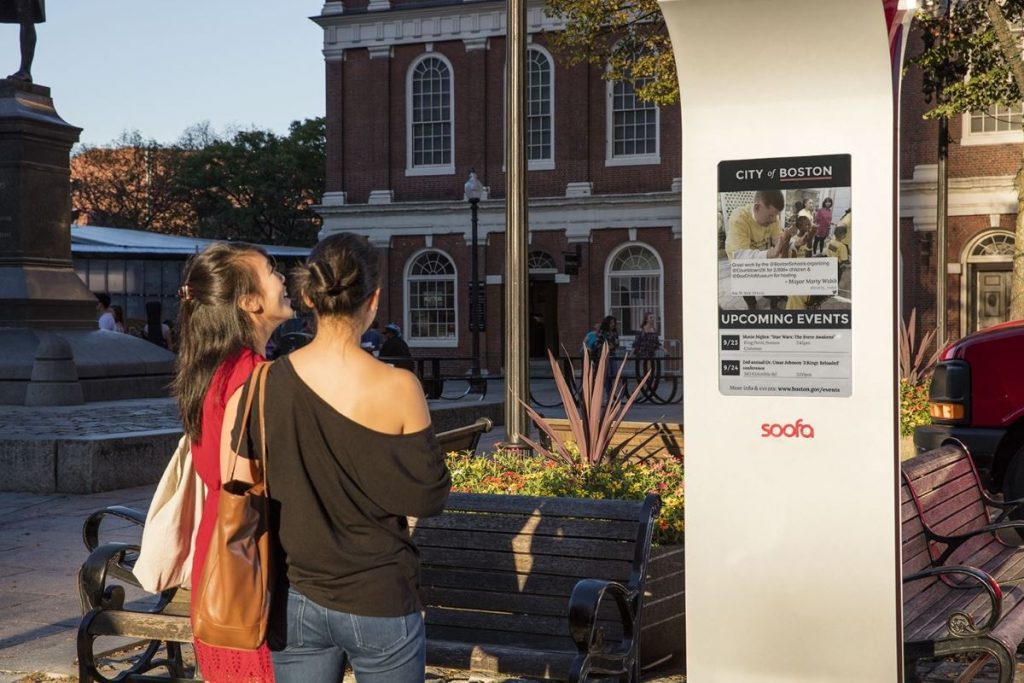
977,397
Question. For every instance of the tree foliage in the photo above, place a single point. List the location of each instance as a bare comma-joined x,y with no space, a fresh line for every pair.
964,66
627,37
131,183
259,186
253,185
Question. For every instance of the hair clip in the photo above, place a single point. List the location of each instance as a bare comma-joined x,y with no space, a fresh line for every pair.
185,293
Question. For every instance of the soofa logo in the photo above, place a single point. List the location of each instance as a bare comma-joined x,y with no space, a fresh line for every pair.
794,430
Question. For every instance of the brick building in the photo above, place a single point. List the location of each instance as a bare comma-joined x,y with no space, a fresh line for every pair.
415,101
983,158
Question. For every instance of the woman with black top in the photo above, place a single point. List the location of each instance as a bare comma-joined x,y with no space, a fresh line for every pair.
351,454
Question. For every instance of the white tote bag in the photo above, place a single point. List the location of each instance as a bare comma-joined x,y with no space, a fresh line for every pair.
169,537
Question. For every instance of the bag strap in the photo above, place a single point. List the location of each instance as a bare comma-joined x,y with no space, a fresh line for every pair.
255,383
261,386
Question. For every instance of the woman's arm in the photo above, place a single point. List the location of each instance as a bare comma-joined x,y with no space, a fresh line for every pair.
243,471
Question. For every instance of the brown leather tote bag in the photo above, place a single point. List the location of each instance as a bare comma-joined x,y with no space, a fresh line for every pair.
232,603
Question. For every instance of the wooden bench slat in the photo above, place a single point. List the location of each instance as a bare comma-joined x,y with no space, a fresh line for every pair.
566,528
524,563
485,579
430,541
141,625
579,508
497,659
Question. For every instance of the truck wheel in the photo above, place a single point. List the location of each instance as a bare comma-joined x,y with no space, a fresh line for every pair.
1013,483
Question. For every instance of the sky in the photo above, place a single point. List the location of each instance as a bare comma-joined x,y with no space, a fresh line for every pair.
160,66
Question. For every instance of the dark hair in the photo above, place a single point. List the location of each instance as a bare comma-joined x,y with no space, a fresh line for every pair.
772,198
211,324
606,324
341,273
118,314
103,298
798,205
840,231
803,222
827,200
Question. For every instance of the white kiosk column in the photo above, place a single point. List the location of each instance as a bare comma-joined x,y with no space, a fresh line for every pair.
792,538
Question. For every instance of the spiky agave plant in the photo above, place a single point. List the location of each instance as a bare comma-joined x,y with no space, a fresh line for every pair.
592,421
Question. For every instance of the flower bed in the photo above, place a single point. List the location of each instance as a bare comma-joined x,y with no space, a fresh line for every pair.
507,473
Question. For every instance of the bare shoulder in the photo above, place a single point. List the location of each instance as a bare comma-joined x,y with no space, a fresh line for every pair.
405,395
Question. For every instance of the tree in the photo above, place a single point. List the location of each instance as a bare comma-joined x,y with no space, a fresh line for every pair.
258,186
970,60
132,183
626,36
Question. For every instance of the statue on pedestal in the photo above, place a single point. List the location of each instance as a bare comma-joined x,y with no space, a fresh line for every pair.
27,13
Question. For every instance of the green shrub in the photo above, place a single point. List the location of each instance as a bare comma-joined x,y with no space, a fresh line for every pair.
913,406
507,473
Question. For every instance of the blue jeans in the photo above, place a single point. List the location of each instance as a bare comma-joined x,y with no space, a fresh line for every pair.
321,640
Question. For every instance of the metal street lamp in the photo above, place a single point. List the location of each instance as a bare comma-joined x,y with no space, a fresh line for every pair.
474,189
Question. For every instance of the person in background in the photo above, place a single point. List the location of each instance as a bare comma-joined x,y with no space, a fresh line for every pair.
822,223
155,330
394,349
372,339
351,454
232,299
647,342
118,314
106,316
608,335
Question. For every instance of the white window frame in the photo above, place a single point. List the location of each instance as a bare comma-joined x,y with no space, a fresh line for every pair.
549,163
611,159
432,169
1003,137
608,284
532,164
430,342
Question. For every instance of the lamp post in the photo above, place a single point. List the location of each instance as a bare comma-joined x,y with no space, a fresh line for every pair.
474,190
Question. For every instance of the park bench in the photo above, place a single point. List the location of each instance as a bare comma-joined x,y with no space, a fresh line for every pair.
635,439
543,587
956,598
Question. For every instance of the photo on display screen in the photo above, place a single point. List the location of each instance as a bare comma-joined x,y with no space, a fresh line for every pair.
785,263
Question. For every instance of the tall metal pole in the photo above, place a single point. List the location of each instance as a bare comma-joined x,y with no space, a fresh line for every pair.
517,376
474,301
941,209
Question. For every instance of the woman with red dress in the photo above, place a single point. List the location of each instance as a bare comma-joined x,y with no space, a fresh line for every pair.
232,300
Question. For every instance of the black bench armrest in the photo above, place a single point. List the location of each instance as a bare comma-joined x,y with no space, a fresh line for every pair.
91,527
954,541
593,655
961,624
111,561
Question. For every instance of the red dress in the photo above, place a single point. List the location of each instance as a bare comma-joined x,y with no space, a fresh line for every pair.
222,665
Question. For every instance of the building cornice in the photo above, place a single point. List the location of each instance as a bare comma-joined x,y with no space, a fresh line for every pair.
971,196
577,216
411,25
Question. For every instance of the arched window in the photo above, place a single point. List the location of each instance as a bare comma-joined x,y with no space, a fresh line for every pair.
430,98
633,127
430,293
541,261
539,120
987,269
634,287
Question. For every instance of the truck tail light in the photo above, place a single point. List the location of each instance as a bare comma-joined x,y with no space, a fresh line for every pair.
949,396
946,411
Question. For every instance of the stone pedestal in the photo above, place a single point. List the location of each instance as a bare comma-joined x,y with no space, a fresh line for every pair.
39,290
38,286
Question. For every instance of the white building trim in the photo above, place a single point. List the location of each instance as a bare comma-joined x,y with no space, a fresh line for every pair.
973,196
578,216
349,30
